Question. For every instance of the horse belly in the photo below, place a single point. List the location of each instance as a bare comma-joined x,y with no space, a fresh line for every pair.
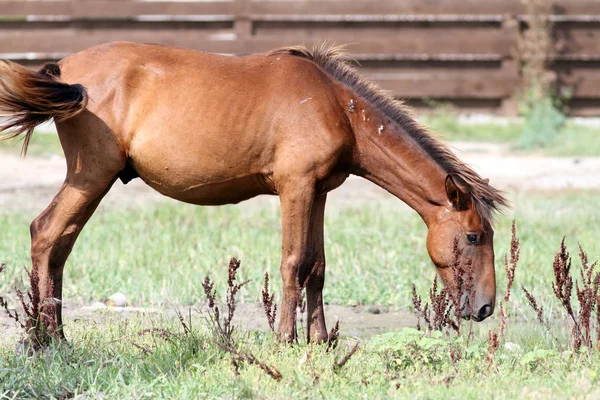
190,184
217,193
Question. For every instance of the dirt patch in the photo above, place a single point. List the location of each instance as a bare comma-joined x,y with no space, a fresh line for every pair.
361,321
511,172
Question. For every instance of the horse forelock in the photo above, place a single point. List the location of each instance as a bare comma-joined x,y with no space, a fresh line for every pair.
336,62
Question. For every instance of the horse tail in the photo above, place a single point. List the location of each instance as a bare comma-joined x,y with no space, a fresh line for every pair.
29,98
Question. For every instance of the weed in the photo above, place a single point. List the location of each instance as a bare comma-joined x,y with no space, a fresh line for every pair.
334,337
581,331
340,364
222,326
437,312
493,344
539,309
241,357
39,318
510,267
268,303
436,316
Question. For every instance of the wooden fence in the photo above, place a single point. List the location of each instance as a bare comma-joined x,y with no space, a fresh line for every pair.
461,51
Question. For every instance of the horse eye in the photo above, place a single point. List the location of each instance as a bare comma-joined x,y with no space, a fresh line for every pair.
472,238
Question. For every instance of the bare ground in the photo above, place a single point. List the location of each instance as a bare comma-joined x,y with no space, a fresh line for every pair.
29,185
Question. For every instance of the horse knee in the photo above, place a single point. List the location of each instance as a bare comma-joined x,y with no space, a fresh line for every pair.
39,242
293,270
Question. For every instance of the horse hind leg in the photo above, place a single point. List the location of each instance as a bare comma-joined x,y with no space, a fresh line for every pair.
53,234
314,276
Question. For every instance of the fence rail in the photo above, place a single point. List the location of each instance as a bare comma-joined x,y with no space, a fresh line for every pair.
461,51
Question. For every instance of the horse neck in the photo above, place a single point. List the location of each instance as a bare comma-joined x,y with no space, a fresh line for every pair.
387,156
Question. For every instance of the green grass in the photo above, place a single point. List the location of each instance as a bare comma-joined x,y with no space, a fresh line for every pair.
159,255
103,362
41,145
571,140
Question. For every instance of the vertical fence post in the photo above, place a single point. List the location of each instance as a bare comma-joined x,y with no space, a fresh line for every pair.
242,26
510,65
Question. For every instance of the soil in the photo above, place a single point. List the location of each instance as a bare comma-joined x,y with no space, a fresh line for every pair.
29,185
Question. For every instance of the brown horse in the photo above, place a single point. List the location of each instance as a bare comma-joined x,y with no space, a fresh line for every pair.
210,129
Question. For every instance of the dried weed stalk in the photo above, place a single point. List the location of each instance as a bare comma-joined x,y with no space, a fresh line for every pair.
510,266
437,313
186,328
222,325
340,364
580,315
334,337
539,310
268,303
464,284
586,292
241,357
493,344
39,317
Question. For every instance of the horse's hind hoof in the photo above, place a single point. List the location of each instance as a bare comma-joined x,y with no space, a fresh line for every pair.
28,348
25,348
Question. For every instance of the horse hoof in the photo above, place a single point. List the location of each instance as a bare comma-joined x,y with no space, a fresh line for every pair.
28,348
25,348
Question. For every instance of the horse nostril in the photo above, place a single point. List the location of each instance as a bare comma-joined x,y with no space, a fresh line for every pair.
484,312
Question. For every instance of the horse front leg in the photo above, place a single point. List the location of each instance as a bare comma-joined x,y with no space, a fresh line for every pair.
296,203
53,234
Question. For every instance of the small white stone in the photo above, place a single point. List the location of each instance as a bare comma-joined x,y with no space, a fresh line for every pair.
116,300
97,305
512,347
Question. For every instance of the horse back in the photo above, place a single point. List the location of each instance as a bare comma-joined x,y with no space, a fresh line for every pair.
187,120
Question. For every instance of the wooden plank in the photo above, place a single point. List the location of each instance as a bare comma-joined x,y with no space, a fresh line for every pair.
73,39
350,33
401,45
584,107
443,85
263,9
368,7
416,7
112,9
582,84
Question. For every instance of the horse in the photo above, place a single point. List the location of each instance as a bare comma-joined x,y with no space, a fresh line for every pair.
211,129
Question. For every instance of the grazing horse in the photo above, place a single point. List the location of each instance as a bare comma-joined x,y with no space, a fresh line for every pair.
209,129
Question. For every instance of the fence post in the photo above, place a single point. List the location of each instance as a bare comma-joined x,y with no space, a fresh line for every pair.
242,26
510,65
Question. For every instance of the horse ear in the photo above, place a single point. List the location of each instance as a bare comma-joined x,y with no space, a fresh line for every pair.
486,181
457,196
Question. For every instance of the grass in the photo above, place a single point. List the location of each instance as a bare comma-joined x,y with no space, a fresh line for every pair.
159,255
571,140
41,145
114,361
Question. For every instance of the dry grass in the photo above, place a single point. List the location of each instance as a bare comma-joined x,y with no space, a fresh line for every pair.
38,317
584,330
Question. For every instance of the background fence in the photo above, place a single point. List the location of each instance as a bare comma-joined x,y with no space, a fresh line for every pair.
461,51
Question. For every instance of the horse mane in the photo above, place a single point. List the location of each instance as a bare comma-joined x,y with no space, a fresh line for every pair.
336,62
